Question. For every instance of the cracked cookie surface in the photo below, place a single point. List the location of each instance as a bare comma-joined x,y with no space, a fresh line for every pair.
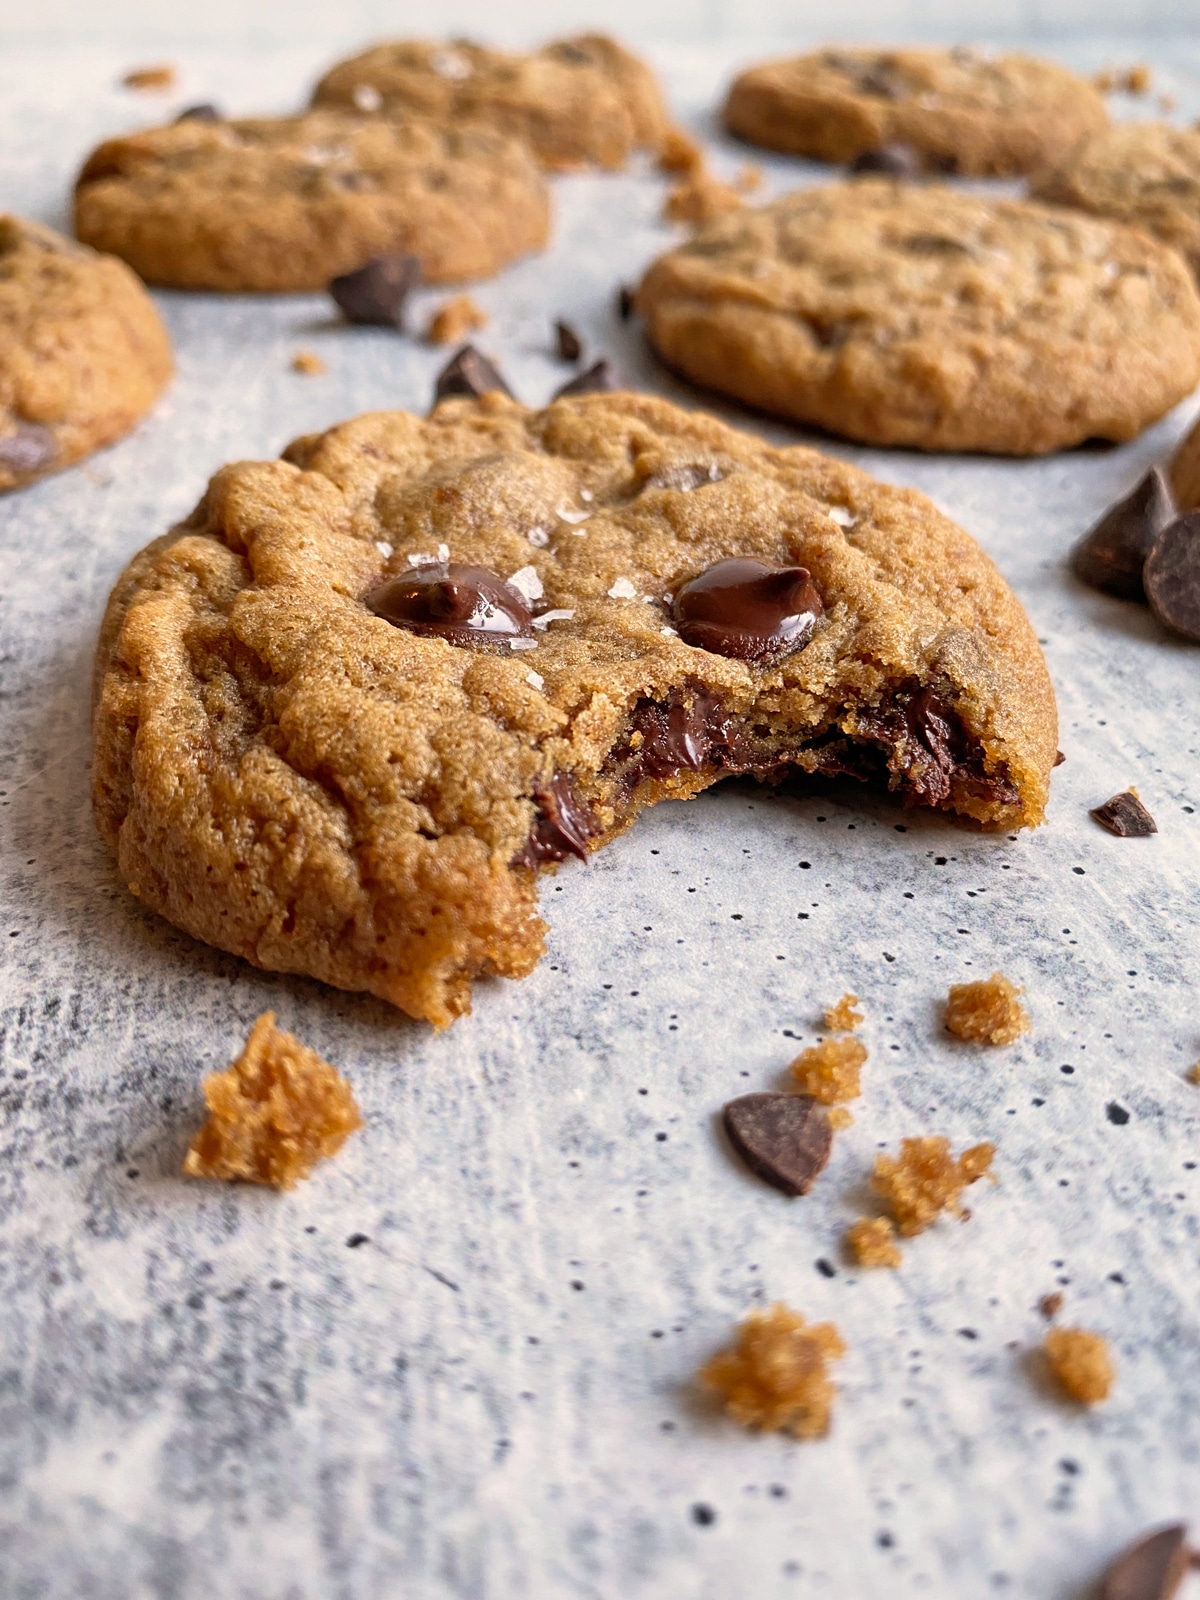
926,317
287,774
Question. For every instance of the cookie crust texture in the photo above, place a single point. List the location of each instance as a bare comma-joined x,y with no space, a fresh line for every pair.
965,111
921,316
583,101
284,204
1144,173
83,351
288,776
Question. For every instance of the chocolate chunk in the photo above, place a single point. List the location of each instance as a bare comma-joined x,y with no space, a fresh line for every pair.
446,600
562,827
205,112
567,341
785,1138
1172,576
27,451
895,159
1151,1569
1059,758
748,610
625,302
597,379
1111,556
928,750
1126,816
468,373
375,294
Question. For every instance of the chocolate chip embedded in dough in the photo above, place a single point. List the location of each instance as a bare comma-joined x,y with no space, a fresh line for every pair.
598,379
562,827
748,610
468,373
28,450
1126,816
1172,576
205,112
448,600
375,294
1110,557
894,160
567,342
1151,1569
784,1138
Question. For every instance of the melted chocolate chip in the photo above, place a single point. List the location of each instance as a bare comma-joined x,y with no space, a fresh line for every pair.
567,342
598,379
468,373
1110,557
375,294
1151,1569
928,750
895,160
205,112
1126,816
27,451
748,610
562,827
784,1138
1172,576
463,605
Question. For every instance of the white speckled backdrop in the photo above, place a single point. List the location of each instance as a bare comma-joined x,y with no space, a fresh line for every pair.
210,1392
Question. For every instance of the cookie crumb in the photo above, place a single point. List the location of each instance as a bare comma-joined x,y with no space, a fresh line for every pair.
274,1114
1081,1364
454,320
1193,1074
987,1011
844,1017
679,152
310,364
700,198
1138,80
775,1376
840,1119
830,1071
872,1242
162,76
749,179
1050,1305
926,1179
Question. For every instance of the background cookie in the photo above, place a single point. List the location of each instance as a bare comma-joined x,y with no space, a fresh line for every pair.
285,773
288,203
966,111
1146,173
922,316
579,101
83,352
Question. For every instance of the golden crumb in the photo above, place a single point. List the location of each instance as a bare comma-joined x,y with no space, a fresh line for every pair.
872,1242
1050,1305
925,1179
1138,80
749,179
840,1119
455,319
844,1017
159,77
679,152
987,1011
1193,1073
276,1112
310,364
1081,1363
700,198
830,1071
775,1376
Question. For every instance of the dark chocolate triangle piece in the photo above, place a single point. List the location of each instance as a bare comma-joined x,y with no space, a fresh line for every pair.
1172,576
784,1138
468,373
568,344
1111,556
597,379
1151,1569
375,294
1126,816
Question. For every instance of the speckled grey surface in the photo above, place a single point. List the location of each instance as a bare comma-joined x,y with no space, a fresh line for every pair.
210,1393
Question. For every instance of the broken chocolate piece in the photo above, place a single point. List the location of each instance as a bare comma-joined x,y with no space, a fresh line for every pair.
1111,556
1059,758
894,159
375,294
625,302
598,379
1172,576
562,827
1151,1569
205,112
1126,816
447,600
468,373
27,451
567,342
748,610
784,1138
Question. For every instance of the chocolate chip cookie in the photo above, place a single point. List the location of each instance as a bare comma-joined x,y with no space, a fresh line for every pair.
83,352
926,317
1146,173
584,101
962,110
287,203
350,708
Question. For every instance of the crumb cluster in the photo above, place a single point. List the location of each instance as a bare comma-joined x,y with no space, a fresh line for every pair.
925,1180
775,1376
454,320
308,363
871,1242
845,1016
831,1070
987,1011
1081,1364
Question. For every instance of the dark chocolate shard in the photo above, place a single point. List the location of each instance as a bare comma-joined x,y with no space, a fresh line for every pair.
562,827
1111,556
375,294
204,112
468,373
447,600
894,159
1172,576
567,342
749,610
1059,758
784,1138
625,302
598,379
1126,816
1150,1569
28,450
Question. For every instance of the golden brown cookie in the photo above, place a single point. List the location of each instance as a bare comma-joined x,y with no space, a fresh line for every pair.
963,110
584,101
1145,173
287,203
83,352
919,315
348,709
